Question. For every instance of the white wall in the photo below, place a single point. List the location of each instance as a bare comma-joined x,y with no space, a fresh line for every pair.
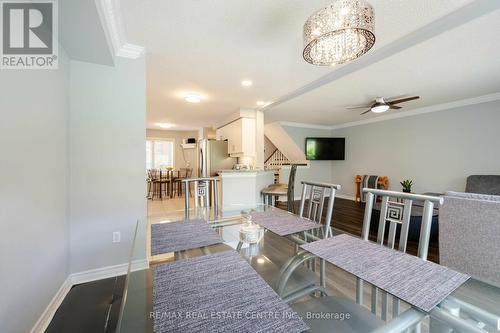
34,232
107,160
280,137
177,136
437,150
320,171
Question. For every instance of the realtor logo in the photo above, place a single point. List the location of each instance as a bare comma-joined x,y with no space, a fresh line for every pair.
29,34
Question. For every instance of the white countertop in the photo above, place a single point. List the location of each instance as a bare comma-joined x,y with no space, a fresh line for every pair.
243,171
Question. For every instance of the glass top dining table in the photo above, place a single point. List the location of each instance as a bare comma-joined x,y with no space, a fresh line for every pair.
473,307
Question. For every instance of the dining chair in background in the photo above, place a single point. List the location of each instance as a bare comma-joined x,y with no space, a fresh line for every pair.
270,193
184,173
149,181
160,183
395,211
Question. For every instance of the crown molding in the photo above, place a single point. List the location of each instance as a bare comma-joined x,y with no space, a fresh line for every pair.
427,109
114,28
304,125
415,112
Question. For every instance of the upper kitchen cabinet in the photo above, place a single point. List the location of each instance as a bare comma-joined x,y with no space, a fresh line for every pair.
240,135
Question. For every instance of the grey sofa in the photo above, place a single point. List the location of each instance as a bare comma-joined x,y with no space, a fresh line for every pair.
469,234
483,184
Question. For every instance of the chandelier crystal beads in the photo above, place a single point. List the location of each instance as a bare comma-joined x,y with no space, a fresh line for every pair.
339,33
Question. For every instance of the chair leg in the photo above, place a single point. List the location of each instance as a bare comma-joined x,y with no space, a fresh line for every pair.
155,190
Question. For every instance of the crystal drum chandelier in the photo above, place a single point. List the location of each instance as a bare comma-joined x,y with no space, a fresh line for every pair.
339,33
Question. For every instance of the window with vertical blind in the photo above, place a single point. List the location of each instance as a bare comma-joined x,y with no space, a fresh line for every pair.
159,153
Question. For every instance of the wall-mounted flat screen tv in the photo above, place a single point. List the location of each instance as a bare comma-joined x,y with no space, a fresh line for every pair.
325,149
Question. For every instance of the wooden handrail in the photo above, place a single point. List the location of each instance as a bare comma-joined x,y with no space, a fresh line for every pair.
270,156
276,160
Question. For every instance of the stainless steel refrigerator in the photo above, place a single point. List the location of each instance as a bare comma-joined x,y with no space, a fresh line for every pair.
213,157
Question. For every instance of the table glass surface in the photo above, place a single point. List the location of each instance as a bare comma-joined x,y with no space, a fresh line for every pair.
268,257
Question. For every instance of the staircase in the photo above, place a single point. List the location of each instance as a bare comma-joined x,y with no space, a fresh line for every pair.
284,150
275,162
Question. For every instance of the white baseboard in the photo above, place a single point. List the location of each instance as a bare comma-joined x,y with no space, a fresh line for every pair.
99,273
82,277
43,322
107,272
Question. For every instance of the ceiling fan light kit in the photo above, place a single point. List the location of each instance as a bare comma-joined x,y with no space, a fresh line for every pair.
380,105
339,33
380,108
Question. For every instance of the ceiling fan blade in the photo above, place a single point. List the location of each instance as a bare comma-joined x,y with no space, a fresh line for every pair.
365,112
402,100
358,107
395,107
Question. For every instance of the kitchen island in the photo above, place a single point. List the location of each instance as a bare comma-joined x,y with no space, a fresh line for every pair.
241,188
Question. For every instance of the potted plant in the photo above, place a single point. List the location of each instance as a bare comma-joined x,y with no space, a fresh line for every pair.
407,184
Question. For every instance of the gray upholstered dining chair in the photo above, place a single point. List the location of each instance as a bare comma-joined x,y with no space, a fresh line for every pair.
206,193
393,213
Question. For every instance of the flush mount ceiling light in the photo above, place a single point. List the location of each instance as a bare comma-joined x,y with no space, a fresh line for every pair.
339,33
192,98
246,83
165,125
261,103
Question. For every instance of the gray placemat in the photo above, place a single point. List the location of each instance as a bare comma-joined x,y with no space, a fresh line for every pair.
420,283
182,235
218,293
282,223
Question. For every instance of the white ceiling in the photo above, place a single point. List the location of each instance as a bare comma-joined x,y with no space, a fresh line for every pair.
209,46
459,64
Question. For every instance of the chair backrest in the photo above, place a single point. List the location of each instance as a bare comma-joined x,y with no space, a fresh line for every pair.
316,193
291,189
164,174
182,172
154,174
205,192
189,172
395,209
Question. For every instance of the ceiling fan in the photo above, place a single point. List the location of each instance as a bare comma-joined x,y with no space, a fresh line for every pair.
380,105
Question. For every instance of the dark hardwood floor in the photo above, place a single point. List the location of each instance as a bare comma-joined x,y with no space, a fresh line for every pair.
348,217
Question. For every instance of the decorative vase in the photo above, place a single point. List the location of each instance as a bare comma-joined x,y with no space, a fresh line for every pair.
249,232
